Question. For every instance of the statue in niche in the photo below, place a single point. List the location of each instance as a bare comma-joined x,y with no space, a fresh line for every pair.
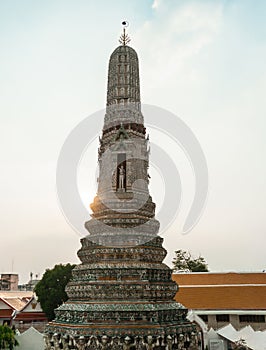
121,178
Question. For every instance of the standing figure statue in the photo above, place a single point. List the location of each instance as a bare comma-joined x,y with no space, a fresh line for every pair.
65,342
104,344
140,344
116,344
169,342
56,340
128,344
81,343
150,345
93,343
47,342
121,177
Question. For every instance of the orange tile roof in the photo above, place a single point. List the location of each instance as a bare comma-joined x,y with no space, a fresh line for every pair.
228,291
219,278
15,299
16,294
16,303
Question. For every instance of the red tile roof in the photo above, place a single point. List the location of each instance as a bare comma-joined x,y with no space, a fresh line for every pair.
33,316
6,313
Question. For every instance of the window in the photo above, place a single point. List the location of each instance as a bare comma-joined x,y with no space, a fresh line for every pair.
204,318
222,318
252,318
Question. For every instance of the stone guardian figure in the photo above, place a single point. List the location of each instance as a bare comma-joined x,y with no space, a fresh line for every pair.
121,178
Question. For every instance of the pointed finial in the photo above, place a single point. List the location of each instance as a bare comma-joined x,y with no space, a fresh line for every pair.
124,38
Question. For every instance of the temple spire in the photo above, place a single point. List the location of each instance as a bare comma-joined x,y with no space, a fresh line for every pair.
124,38
123,87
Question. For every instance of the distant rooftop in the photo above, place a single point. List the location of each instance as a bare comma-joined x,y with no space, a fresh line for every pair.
222,291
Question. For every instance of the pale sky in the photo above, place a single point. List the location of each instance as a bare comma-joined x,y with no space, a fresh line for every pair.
203,60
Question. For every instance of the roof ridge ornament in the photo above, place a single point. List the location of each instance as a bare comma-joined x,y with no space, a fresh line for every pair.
124,38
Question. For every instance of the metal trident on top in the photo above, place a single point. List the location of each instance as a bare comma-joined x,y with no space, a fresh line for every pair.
124,38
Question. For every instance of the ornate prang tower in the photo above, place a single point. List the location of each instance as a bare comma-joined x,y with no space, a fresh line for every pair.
121,295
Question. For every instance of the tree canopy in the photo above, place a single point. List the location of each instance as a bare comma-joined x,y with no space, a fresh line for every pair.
51,288
184,261
7,338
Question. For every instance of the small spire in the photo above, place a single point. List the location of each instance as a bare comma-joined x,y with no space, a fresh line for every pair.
124,38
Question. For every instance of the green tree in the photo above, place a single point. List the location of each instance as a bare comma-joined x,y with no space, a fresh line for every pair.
51,288
7,338
184,261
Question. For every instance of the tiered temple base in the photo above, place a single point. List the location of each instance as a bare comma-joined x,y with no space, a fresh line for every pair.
121,298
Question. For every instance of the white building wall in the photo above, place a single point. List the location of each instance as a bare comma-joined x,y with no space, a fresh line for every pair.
30,340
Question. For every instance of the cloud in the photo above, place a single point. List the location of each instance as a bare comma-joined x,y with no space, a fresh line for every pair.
180,32
155,4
